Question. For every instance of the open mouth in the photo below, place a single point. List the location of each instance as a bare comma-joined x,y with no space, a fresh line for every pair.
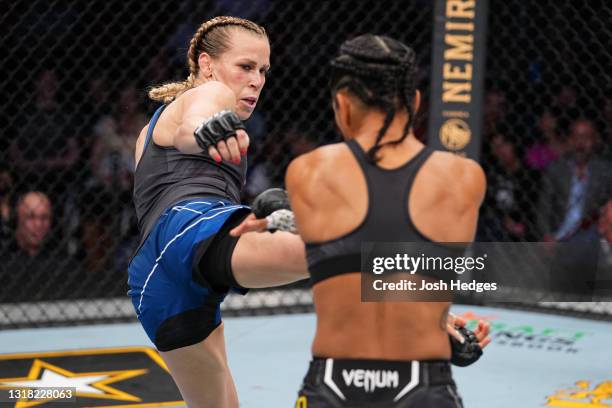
250,102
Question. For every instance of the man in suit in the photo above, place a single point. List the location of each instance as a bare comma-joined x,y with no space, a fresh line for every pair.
574,189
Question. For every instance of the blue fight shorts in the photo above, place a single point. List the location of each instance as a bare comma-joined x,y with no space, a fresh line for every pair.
175,306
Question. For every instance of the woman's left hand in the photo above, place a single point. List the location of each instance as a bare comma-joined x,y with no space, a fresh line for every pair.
481,332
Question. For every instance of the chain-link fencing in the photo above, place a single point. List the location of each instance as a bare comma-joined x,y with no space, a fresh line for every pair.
547,132
74,87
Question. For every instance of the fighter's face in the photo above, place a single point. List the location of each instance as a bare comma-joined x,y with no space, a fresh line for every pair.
243,68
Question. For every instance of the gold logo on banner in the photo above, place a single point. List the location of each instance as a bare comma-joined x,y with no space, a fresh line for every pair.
582,396
455,134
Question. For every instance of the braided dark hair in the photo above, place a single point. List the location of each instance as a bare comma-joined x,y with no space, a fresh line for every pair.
381,72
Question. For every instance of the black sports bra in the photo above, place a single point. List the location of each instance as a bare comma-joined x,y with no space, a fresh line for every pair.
387,218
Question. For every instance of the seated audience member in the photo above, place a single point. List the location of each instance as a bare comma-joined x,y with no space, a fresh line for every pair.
7,212
549,145
575,188
508,211
604,227
33,265
46,149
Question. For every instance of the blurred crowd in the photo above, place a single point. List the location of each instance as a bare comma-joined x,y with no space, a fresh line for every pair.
66,181
65,197
67,162
551,183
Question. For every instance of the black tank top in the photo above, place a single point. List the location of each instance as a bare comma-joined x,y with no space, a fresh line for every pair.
387,218
165,176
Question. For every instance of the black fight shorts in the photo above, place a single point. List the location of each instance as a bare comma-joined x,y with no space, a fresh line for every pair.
332,383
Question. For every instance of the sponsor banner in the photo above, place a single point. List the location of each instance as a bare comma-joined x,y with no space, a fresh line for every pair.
458,60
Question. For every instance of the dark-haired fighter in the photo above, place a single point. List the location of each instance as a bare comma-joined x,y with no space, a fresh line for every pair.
382,185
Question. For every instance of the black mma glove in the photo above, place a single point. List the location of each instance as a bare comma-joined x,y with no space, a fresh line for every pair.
467,353
221,126
273,204
269,201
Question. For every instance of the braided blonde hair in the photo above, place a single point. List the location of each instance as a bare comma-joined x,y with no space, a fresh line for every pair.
213,37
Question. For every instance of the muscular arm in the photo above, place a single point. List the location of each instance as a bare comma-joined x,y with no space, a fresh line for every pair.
198,105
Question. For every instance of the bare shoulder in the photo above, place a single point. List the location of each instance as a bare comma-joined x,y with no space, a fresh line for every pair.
308,174
468,178
317,163
209,91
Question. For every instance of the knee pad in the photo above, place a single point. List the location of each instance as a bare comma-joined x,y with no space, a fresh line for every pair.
212,266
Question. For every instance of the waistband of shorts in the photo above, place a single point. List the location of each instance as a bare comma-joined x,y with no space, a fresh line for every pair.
430,372
204,203
213,200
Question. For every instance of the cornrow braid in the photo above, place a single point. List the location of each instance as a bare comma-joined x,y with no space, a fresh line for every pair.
380,71
212,37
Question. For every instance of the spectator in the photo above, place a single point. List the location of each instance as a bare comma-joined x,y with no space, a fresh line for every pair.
549,145
46,149
605,222
495,110
578,263
96,99
607,127
564,107
269,167
112,159
34,223
604,228
508,208
106,204
575,188
33,267
93,106
6,206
